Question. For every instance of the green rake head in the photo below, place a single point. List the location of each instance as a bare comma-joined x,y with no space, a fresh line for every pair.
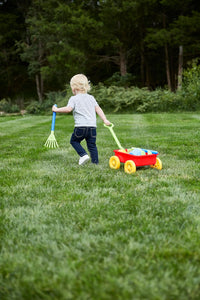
51,141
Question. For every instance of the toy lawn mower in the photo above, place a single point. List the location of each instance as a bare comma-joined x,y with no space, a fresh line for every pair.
133,157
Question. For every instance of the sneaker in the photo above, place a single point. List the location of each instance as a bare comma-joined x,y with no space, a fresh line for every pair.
83,159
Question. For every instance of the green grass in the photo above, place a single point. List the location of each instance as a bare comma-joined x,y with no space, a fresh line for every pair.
70,232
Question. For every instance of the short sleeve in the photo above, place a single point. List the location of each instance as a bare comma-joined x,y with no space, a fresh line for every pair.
95,102
71,103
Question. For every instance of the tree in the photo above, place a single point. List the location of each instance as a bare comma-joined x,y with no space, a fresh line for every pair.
52,40
119,31
124,30
57,42
12,71
169,31
33,47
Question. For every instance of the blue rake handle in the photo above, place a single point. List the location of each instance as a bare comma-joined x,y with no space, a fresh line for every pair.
53,120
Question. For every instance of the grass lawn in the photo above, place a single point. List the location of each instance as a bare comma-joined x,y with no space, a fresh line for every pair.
71,232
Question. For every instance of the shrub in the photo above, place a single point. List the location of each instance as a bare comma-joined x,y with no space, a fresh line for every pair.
133,99
8,107
190,91
14,108
117,80
116,98
53,98
34,108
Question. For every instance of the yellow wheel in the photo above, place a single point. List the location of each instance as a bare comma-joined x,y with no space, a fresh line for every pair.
129,167
114,162
158,164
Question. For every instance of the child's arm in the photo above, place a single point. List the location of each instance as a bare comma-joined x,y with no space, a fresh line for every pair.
65,109
101,114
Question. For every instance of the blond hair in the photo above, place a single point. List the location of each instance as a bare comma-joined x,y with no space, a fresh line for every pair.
80,82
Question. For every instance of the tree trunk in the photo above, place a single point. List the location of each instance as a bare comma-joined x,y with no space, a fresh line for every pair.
180,67
41,85
147,83
142,63
38,86
167,58
123,62
167,68
39,79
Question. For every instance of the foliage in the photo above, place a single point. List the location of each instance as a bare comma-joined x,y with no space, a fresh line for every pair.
51,98
190,91
44,43
121,99
8,107
55,98
71,232
13,73
117,80
133,99
117,98
34,108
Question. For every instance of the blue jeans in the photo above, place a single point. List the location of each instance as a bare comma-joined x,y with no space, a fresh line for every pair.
89,134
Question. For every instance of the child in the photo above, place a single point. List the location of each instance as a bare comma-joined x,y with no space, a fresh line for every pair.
84,107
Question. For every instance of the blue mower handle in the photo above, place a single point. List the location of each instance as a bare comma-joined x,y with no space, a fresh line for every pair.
53,120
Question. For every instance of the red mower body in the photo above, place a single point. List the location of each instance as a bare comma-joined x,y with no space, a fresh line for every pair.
139,160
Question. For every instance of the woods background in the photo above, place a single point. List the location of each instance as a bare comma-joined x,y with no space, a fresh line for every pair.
140,43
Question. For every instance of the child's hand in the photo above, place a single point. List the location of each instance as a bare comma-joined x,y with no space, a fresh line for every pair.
107,122
54,108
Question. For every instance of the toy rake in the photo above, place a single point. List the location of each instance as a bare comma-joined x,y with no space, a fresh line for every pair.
51,141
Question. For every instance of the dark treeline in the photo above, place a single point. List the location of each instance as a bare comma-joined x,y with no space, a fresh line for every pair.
145,43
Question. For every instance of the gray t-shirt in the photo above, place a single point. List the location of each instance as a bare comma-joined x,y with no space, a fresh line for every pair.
83,106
